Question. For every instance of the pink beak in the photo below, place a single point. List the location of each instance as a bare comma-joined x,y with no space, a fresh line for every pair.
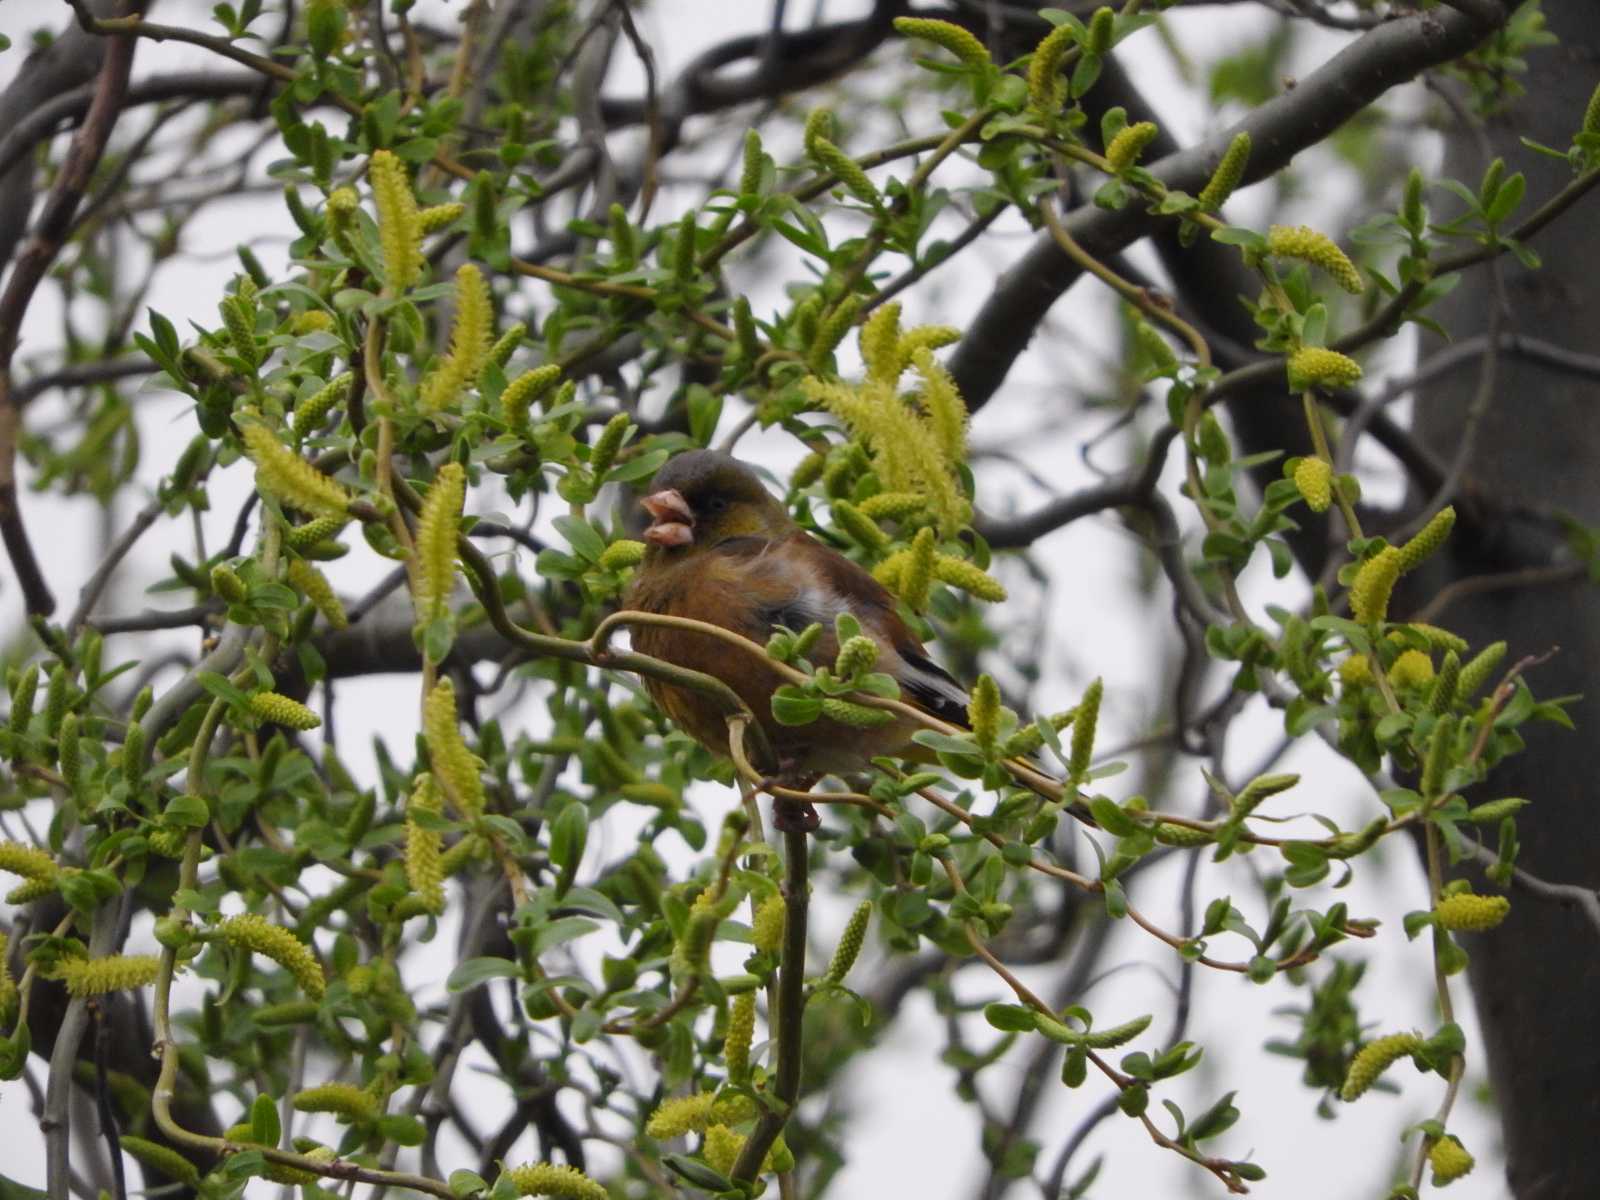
672,522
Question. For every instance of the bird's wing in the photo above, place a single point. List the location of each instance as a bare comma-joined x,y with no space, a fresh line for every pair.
805,581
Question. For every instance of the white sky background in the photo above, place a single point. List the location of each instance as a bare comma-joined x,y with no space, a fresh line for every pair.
908,1134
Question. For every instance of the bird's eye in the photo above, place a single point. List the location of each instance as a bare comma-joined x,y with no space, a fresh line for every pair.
716,504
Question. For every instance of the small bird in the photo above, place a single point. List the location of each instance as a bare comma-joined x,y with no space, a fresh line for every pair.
724,550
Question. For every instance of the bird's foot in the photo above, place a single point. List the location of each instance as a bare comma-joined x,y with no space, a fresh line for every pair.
794,816
790,814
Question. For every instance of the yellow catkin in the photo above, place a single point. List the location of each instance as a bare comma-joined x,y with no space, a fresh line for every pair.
1083,730
523,391
1475,673
622,554
161,1158
436,216
917,577
1306,244
857,716
27,861
312,411
316,320
555,1179
950,36
721,1148
766,930
607,443
399,223
1466,912
321,529
342,206
983,712
252,932
1374,583
470,338
30,890
9,995
281,710
314,586
344,1100
680,1115
925,337
1228,175
850,942
1373,1059
506,344
1449,1160
1046,89
819,124
437,532
238,322
855,657
959,573
1029,740
1437,638
741,1032
1317,366
946,411
906,453
892,506
1170,834
287,477
1129,144
1412,668
424,859
836,162
1355,671
1428,539
115,973
454,766
858,526
880,343
1313,478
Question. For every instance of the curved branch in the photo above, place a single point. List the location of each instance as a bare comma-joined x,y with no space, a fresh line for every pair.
1352,79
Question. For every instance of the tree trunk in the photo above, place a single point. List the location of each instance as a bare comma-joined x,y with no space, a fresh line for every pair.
1536,448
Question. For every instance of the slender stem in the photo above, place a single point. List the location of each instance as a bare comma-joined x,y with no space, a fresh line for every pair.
788,1022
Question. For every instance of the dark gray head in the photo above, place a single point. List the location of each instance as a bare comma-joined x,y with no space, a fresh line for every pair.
702,497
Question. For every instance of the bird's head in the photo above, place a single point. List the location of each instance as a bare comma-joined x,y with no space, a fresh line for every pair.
703,497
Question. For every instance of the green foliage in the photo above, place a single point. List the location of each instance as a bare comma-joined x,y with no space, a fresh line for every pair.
389,403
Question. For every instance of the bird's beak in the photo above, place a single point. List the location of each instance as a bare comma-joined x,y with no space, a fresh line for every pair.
672,523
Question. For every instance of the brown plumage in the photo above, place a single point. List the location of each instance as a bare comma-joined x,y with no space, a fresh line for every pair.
724,550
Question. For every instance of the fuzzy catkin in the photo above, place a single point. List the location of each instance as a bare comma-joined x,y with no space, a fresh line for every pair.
252,932
437,533
453,764
1373,1059
114,973
287,477
399,223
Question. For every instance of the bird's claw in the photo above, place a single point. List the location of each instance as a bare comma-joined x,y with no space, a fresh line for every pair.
794,816
790,814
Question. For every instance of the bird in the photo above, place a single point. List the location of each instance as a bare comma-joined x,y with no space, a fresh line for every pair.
722,549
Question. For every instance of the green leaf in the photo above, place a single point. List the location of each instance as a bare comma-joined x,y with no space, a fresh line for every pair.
1110,817
187,810
791,706
561,931
469,974
264,1126
467,1183
219,686
1010,1018
697,1173
403,1129
581,536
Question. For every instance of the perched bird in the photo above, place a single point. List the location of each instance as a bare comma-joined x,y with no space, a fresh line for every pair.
724,550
